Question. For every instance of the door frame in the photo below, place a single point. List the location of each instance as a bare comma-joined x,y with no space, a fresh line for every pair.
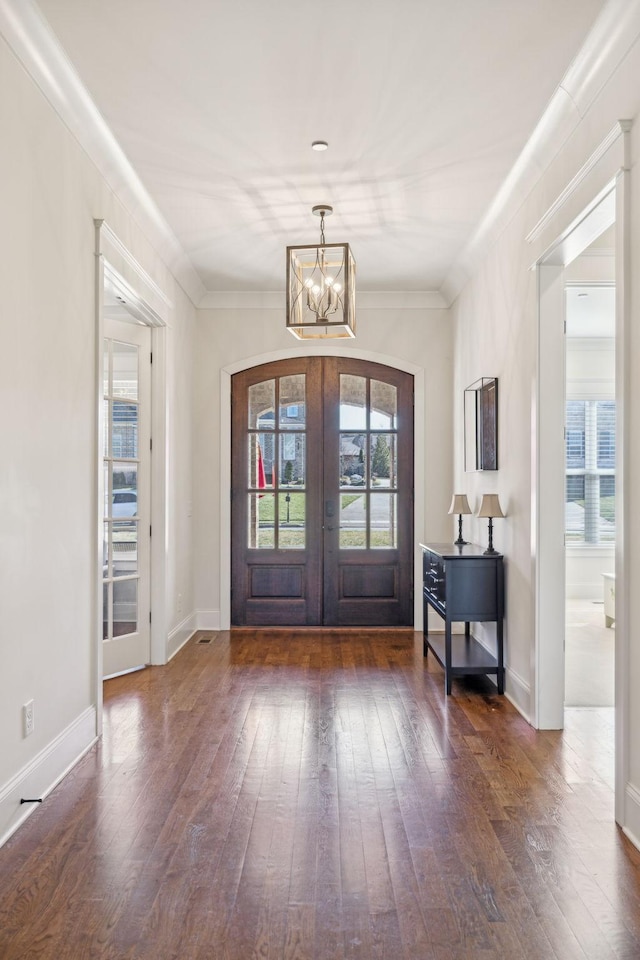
225,459
610,206
135,652
147,301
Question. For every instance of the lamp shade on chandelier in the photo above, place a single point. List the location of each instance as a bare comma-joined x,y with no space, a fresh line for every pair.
321,287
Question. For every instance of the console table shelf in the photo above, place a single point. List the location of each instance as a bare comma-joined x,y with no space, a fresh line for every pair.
463,584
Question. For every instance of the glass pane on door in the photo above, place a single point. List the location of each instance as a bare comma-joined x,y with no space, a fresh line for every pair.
261,514
384,465
262,404
291,528
276,453
368,462
292,402
124,378
353,521
121,463
384,406
353,402
383,530
292,469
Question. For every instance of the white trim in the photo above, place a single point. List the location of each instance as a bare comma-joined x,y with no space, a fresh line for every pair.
225,462
590,284
208,620
36,46
159,557
548,699
98,485
614,32
548,490
623,492
111,239
180,635
324,350
39,777
631,816
159,498
518,692
590,223
619,128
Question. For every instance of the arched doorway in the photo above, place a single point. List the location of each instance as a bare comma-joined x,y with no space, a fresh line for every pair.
322,494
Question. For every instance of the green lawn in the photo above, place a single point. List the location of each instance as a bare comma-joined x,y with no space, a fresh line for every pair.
293,536
266,506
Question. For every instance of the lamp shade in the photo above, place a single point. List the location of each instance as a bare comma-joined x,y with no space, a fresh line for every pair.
460,504
490,506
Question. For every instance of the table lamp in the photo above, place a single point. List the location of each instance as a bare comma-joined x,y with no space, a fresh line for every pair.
460,505
490,507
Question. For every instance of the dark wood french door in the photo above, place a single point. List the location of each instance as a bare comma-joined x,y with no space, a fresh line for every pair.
322,494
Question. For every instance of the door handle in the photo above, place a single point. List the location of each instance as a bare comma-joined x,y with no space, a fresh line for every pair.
329,508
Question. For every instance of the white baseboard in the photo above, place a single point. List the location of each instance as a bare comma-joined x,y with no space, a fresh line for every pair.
518,692
38,778
207,619
631,825
180,635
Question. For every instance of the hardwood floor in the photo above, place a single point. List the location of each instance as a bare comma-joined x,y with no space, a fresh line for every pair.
317,797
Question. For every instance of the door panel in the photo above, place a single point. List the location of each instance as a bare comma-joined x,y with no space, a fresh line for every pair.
276,550
368,474
126,546
322,488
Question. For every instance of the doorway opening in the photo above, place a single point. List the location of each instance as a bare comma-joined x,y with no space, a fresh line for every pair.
322,494
556,493
590,467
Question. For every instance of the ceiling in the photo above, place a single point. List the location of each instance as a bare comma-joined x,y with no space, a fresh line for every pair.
426,106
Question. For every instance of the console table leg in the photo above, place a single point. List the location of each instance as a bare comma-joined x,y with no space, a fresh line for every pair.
425,628
500,641
447,655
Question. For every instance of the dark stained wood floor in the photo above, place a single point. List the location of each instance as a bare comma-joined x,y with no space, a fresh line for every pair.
317,797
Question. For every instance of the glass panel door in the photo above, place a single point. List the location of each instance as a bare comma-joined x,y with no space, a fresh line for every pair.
368,474
322,467
126,548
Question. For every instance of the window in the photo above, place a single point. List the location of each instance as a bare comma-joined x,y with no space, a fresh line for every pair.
590,471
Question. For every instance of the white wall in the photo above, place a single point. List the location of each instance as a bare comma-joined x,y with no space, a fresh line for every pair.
49,195
496,335
393,334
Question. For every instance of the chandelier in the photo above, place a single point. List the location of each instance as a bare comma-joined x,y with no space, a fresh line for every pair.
321,287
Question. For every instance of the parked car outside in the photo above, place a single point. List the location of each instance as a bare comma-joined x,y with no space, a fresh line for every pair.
125,503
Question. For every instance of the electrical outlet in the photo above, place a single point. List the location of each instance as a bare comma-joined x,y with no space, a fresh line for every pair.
27,718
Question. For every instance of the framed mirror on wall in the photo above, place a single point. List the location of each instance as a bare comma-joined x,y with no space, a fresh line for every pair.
481,425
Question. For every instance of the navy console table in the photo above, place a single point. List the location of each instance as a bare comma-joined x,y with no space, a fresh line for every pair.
463,584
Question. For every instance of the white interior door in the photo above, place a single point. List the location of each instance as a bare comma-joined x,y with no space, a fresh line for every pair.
126,512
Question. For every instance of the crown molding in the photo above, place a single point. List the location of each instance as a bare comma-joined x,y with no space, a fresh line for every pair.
619,128
34,44
614,32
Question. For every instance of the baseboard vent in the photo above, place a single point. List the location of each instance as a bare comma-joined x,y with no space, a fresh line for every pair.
205,639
